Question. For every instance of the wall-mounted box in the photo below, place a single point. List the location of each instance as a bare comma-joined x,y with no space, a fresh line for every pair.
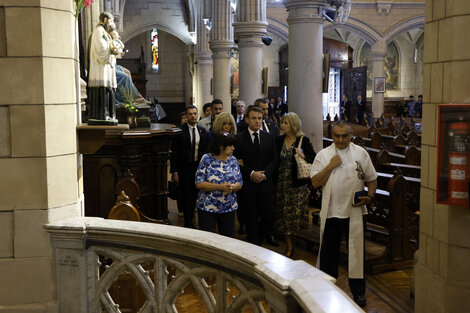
453,176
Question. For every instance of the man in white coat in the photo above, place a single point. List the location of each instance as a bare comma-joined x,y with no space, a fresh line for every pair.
343,169
102,73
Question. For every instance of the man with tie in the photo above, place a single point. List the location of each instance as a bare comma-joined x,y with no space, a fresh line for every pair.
187,148
240,111
256,150
267,124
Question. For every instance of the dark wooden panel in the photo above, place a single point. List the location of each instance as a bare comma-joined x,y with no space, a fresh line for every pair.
145,154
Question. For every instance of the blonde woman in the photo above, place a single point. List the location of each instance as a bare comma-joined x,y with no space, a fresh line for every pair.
224,123
291,193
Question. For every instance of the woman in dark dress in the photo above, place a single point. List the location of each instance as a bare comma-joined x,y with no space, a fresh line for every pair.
291,193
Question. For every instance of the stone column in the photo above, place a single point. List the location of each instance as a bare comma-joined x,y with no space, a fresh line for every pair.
221,44
38,148
443,272
203,58
249,29
379,50
306,65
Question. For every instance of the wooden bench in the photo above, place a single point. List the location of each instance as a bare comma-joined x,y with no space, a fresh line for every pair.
391,223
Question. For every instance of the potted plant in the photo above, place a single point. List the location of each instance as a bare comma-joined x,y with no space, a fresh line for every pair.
129,107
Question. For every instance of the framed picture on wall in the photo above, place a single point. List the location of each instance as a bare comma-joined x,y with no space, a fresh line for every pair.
379,84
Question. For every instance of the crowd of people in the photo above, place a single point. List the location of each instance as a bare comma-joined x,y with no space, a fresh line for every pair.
356,110
216,154
411,108
245,165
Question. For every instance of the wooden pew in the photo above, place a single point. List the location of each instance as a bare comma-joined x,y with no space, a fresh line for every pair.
413,184
405,169
392,223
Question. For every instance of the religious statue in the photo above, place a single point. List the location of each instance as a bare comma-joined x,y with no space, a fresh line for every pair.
102,73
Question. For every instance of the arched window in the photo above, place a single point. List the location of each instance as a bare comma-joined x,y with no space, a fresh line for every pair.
154,42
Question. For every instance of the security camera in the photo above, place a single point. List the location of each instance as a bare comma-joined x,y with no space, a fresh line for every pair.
266,40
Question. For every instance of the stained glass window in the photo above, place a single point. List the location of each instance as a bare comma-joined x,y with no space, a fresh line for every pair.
154,40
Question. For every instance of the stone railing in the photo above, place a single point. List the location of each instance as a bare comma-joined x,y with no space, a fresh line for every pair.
226,275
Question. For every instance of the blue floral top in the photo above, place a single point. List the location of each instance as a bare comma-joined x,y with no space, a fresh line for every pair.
216,171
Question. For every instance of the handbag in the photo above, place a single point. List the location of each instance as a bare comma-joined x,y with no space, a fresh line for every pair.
303,168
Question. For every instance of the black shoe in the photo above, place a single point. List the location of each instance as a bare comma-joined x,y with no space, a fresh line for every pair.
360,300
270,240
290,253
242,230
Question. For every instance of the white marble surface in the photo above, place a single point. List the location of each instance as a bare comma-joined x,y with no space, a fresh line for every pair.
311,288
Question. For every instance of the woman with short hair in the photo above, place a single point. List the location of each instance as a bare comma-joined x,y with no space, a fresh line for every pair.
218,177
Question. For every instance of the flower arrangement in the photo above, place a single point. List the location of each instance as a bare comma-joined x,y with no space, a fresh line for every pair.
82,4
130,107
128,98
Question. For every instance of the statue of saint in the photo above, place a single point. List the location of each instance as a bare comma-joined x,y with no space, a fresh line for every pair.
102,73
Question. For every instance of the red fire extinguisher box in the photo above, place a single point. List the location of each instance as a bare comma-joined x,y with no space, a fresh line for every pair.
453,178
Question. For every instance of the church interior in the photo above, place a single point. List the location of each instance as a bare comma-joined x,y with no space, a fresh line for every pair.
72,241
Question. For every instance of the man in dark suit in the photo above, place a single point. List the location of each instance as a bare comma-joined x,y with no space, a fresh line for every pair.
280,108
361,108
187,148
239,116
268,125
256,150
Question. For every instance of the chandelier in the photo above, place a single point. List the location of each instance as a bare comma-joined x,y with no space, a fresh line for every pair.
338,12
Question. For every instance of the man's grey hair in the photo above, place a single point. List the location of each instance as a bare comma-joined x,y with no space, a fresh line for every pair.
341,124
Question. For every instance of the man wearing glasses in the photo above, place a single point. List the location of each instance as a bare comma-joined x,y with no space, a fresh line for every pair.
343,169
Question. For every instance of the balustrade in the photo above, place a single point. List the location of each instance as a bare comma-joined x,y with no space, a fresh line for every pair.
227,275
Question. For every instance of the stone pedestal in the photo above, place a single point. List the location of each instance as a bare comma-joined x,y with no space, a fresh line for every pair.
306,66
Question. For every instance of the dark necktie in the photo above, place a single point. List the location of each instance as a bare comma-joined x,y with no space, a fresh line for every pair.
256,142
193,145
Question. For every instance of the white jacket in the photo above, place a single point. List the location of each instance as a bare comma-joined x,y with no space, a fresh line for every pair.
102,60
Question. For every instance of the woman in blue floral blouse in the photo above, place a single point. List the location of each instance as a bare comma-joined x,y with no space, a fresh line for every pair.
218,178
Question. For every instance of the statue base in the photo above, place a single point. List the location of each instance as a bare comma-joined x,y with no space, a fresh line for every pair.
102,122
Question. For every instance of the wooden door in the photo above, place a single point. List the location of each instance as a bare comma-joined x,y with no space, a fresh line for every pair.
355,83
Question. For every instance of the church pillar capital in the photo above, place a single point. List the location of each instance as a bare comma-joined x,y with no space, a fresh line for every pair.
304,11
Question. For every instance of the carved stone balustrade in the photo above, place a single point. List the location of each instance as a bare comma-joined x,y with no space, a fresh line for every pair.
227,275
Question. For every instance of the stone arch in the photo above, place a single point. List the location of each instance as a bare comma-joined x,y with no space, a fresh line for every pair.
404,26
278,28
363,30
135,32
158,15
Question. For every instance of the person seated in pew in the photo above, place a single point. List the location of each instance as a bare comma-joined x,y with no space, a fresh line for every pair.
343,169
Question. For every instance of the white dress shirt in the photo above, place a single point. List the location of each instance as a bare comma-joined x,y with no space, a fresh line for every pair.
196,132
